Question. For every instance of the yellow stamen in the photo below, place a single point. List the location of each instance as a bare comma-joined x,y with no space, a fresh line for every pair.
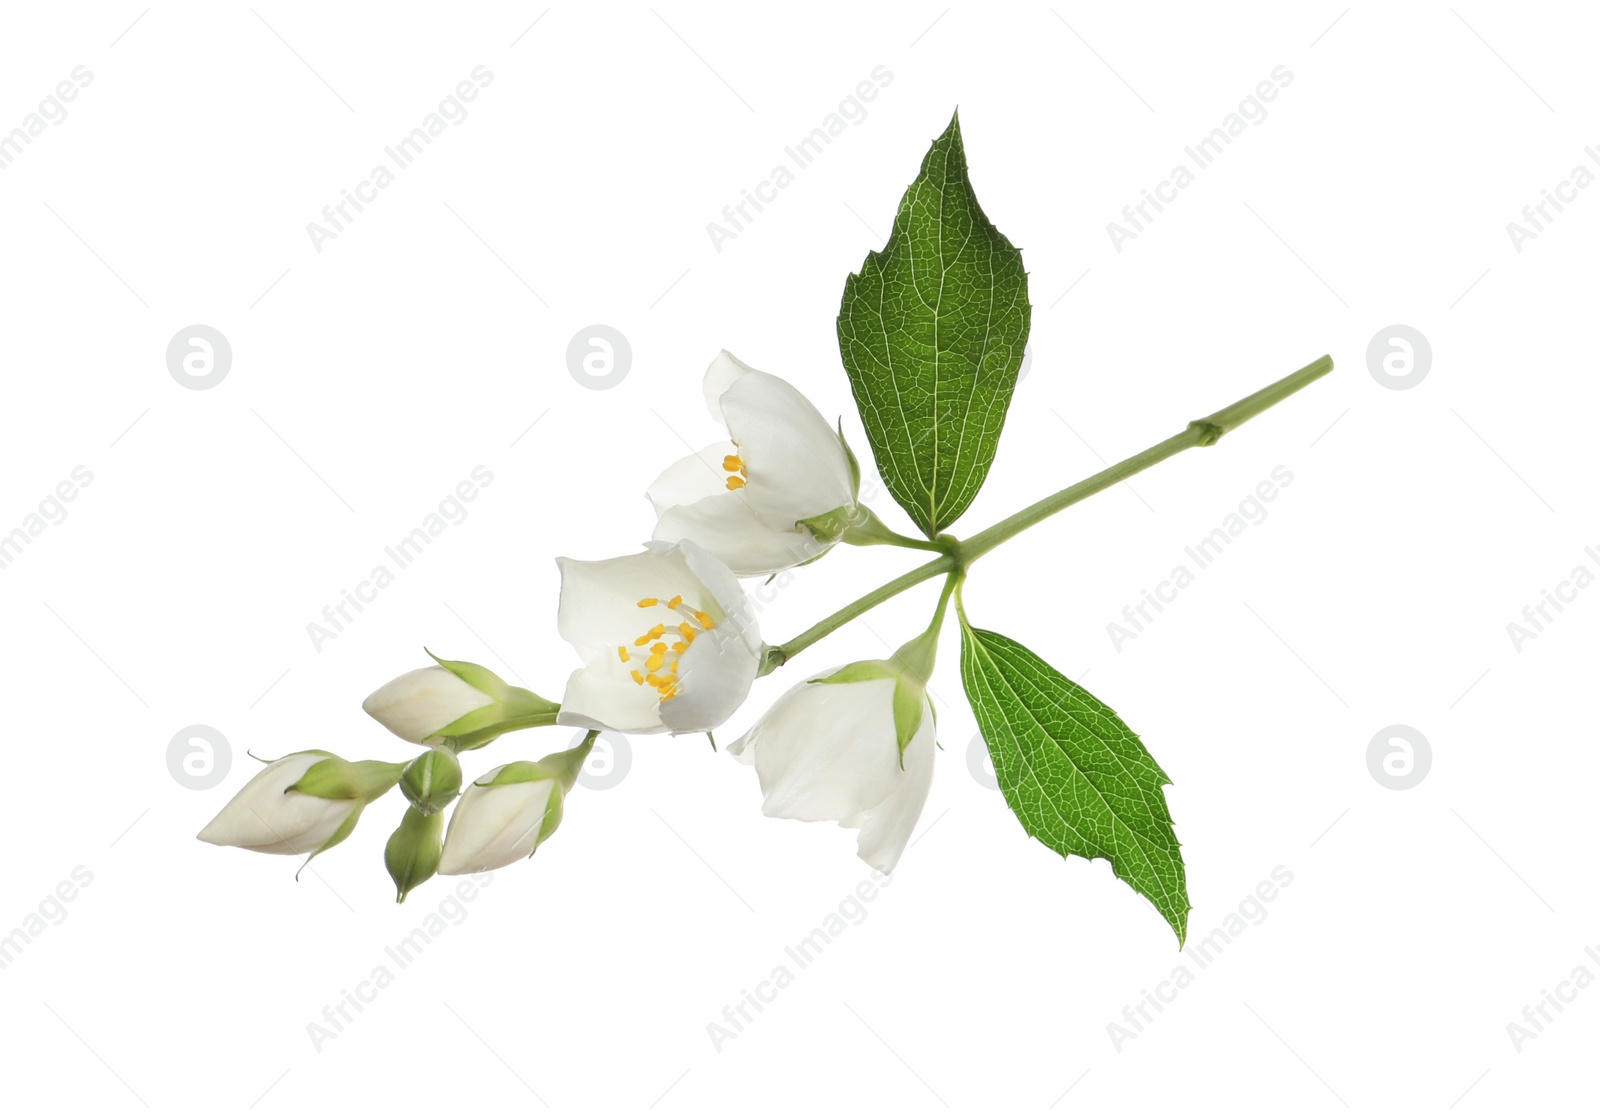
622,653
733,463
639,678
675,602
705,620
686,632
655,661
735,483
649,602
680,647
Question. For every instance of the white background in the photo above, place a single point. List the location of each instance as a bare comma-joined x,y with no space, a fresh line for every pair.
369,379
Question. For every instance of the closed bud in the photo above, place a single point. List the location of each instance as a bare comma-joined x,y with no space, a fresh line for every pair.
504,816
432,780
412,854
459,703
306,802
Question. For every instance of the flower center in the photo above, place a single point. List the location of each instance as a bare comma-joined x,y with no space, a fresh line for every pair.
734,464
660,648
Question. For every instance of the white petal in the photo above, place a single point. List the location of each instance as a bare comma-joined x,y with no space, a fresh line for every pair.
262,818
421,702
796,464
732,603
492,827
692,478
723,372
887,827
826,751
598,697
600,600
714,678
726,525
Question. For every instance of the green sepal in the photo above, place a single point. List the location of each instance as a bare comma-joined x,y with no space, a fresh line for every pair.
346,828
562,767
478,677
432,780
870,670
335,778
910,703
513,708
855,466
414,849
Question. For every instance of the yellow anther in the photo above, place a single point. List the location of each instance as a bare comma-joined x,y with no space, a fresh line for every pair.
639,678
675,602
655,661
705,620
644,639
686,632
680,647
735,483
658,649
649,602
622,653
733,463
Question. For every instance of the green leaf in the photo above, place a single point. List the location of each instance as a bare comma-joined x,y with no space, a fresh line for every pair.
932,332
1074,774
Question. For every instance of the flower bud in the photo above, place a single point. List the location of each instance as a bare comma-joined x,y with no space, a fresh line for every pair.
432,780
504,816
412,854
460,703
306,802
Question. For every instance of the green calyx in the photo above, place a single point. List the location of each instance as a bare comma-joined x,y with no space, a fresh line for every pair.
513,708
560,767
432,780
335,778
414,849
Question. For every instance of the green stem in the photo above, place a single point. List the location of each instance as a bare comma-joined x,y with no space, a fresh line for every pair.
777,656
1201,432
960,555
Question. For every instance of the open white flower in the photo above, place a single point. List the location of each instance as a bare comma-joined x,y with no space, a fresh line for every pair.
668,638
830,750
267,816
744,499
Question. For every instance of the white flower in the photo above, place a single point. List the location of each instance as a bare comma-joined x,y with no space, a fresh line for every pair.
668,639
419,703
501,819
829,750
743,500
265,816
